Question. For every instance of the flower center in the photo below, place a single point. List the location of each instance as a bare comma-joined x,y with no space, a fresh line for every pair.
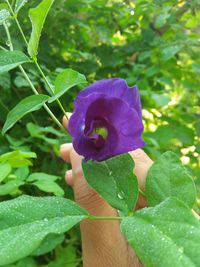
102,131
98,136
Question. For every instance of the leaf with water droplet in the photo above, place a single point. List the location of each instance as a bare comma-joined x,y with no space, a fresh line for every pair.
4,15
167,177
11,59
19,4
25,223
165,235
114,180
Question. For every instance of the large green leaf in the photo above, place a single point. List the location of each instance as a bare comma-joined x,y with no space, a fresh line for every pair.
164,236
38,16
26,221
114,180
11,59
28,104
65,80
19,4
167,177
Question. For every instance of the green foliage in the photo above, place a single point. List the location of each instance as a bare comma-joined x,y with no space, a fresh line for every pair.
25,106
23,231
114,180
165,235
37,16
19,4
65,80
11,59
154,44
168,178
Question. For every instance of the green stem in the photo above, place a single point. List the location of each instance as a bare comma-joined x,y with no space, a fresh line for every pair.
8,36
3,48
30,82
94,218
36,92
142,193
17,22
49,86
35,59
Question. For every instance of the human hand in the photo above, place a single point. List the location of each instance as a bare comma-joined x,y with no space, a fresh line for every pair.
98,237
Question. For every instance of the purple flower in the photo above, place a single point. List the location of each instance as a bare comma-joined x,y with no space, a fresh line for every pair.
107,120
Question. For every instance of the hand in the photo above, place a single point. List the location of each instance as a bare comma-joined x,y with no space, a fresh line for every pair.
102,242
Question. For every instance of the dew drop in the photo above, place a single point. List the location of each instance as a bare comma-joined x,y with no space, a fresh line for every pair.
120,195
110,173
45,219
7,43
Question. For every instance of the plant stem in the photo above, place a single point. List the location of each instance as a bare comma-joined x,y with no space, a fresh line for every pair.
49,86
30,82
36,92
3,48
142,193
35,59
94,218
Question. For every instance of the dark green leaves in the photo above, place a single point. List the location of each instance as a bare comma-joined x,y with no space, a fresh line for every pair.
28,104
167,177
11,59
38,16
26,221
114,180
164,236
65,80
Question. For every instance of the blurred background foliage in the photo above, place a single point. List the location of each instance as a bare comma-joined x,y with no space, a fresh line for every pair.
153,44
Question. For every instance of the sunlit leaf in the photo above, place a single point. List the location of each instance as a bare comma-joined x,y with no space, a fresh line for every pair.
37,16
66,80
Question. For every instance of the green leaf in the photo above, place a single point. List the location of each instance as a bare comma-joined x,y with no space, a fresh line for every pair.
37,16
164,236
161,19
11,59
49,243
46,183
11,187
26,221
25,106
114,180
65,80
5,169
4,15
19,4
168,52
66,258
167,177
18,158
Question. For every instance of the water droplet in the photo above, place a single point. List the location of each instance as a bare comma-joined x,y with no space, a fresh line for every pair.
7,43
45,219
120,195
110,173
